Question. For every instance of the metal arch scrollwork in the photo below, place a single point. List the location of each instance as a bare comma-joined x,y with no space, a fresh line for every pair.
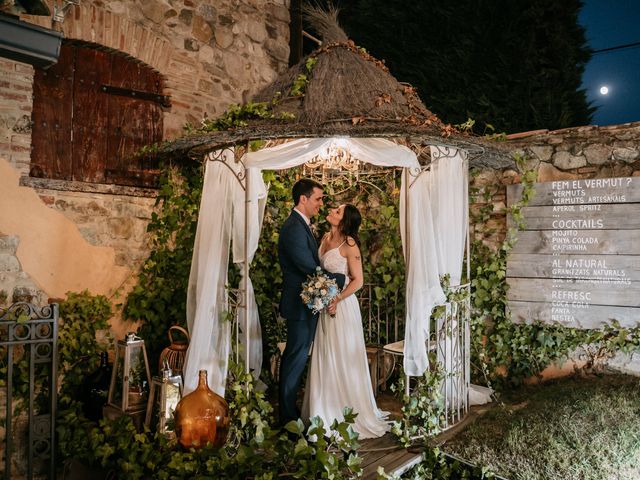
439,151
219,156
25,311
422,151
417,171
446,151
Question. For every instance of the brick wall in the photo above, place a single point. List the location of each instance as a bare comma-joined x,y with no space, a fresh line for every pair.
212,53
15,113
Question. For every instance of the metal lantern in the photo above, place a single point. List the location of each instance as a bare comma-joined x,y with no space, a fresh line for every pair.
130,378
166,392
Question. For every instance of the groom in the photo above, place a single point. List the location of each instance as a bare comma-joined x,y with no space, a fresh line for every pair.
298,255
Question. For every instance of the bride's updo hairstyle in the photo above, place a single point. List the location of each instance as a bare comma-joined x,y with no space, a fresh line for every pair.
350,222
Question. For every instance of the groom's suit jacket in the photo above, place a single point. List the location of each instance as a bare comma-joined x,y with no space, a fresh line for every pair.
298,255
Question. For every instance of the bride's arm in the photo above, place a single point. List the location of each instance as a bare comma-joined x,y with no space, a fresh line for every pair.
354,261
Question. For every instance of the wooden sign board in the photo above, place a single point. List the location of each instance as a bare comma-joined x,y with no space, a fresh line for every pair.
577,262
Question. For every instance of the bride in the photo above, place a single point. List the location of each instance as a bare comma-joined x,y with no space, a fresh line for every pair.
339,373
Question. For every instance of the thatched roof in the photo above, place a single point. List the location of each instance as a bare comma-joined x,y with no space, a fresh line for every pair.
345,84
339,89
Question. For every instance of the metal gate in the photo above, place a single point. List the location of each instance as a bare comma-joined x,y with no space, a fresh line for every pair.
28,366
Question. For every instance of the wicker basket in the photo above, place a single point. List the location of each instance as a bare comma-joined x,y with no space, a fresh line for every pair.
175,353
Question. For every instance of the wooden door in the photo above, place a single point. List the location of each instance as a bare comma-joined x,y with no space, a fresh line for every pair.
93,112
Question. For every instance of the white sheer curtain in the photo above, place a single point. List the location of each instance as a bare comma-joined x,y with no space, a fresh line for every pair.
221,225
448,186
423,283
222,218
253,204
207,296
376,151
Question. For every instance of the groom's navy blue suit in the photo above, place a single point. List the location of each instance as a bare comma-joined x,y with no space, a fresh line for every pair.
298,255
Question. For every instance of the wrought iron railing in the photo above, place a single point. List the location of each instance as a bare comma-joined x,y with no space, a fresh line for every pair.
382,316
383,323
384,319
451,341
28,355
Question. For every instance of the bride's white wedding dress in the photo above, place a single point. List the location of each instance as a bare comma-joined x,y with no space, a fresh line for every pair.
339,372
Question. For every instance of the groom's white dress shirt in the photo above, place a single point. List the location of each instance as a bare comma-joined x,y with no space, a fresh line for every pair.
304,217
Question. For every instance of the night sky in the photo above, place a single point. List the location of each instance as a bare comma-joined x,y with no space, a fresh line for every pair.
611,23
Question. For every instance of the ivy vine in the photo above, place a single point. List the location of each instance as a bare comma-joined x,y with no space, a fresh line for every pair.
254,450
504,353
160,296
300,83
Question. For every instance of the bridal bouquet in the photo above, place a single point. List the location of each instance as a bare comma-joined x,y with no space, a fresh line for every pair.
318,291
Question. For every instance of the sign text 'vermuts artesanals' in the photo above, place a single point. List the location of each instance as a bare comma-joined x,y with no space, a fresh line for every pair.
577,262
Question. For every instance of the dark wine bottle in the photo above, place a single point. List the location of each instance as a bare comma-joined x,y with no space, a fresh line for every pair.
96,389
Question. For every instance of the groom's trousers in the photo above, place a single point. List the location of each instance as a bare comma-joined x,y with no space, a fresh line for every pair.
300,334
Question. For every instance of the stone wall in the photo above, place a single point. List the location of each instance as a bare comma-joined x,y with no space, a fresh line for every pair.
18,285
59,236
211,54
572,153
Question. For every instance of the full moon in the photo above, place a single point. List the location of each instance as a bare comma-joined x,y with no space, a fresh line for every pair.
604,90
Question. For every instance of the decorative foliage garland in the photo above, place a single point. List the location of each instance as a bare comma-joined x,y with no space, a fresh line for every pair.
300,83
437,465
422,409
84,319
254,449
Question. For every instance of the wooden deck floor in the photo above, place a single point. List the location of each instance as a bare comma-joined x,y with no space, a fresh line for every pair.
387,453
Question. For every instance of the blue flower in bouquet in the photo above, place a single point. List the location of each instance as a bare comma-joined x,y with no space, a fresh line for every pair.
318,291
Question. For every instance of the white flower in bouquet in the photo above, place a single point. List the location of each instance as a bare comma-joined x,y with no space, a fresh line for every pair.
318,291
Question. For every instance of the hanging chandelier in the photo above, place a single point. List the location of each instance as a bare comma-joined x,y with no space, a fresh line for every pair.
335,158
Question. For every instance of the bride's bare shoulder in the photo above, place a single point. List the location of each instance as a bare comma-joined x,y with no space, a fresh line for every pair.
352,246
